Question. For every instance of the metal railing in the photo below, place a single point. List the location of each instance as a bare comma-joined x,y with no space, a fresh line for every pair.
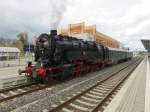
20,61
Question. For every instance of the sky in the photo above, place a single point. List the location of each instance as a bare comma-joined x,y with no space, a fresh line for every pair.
125,20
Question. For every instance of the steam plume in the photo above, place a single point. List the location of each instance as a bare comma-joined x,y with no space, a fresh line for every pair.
58,7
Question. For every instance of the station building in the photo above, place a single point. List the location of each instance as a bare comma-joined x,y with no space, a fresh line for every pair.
91,34
7,53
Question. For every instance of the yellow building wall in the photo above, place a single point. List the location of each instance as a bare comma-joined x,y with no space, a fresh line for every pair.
80,28
90,29
76,28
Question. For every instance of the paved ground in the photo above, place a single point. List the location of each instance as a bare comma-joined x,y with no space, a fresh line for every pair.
134,96
10,72
147,95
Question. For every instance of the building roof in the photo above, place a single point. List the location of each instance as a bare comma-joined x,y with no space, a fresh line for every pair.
9,49
146,44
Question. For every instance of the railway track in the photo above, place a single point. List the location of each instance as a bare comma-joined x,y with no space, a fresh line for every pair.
97,97
14,92
16,87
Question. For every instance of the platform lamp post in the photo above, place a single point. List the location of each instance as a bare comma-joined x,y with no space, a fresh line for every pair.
136,51
29,52
19,58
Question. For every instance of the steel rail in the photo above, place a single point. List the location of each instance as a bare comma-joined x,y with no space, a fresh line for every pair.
36,88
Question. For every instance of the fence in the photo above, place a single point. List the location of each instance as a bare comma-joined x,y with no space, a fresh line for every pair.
21,61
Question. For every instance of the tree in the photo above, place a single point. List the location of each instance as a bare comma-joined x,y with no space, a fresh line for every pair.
21,37
18,45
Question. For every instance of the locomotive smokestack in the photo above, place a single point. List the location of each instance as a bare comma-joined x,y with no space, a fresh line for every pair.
53,32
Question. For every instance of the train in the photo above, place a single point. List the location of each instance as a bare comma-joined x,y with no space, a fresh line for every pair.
58,57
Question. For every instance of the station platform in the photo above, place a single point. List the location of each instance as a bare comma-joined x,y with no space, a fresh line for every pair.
10,71
9,68
9,77
134,96
9,74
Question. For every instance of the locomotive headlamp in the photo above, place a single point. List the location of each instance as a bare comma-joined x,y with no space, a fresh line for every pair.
45,42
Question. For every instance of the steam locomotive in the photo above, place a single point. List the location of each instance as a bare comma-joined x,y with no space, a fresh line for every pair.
58,57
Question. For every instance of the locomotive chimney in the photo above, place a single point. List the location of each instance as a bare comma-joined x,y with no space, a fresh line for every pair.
53,32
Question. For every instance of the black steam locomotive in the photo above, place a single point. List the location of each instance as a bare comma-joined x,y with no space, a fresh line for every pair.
58,57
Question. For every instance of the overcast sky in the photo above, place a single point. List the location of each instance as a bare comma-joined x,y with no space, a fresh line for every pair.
125,20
